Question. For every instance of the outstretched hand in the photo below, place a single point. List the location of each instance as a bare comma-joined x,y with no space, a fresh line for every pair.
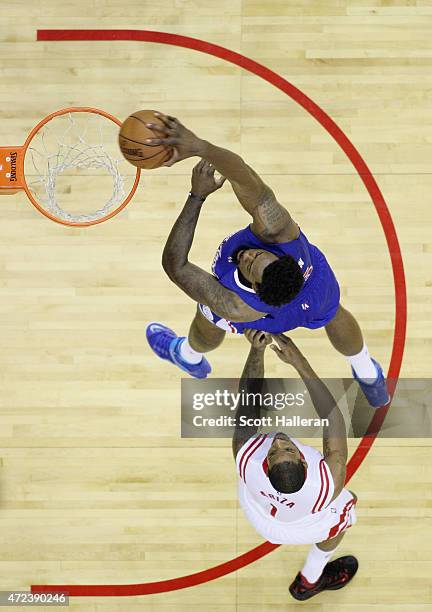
203,179
258,339
184,142
286,350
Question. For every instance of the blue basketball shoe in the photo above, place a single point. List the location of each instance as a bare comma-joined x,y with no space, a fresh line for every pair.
166,344
376,391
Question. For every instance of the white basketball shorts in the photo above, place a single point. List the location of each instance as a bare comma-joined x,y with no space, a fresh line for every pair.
337,517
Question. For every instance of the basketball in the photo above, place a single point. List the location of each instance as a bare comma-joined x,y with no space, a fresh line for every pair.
132,136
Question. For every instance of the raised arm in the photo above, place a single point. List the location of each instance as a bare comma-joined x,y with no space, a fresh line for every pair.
271,221
335,449
252,380
194,281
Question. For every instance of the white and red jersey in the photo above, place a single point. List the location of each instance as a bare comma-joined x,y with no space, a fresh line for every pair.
314,496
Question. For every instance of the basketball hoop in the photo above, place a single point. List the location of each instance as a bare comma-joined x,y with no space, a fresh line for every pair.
69,168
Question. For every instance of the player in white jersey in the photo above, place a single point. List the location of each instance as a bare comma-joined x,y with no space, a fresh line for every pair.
290,492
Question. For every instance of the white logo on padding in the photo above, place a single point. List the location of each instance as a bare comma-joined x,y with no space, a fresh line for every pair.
207,312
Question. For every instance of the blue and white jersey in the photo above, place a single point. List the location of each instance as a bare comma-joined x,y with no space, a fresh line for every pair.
315,304
225,268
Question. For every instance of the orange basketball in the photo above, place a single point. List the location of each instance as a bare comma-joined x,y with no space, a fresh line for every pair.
132,137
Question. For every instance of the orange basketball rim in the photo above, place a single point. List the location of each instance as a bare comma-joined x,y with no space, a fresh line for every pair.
76,154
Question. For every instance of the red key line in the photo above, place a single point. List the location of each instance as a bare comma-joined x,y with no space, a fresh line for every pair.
398,278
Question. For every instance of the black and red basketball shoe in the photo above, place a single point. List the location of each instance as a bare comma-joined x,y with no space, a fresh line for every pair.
335,576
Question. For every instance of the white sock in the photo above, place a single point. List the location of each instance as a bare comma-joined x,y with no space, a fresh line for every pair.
316,561
188,354
363,365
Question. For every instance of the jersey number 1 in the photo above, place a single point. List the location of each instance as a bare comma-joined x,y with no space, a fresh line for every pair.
273,510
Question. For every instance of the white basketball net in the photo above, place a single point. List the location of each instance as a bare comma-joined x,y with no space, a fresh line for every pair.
78,147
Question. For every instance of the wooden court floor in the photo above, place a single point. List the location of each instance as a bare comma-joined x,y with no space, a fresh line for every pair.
96,485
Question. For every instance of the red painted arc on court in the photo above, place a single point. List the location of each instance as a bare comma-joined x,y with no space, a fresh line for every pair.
396,261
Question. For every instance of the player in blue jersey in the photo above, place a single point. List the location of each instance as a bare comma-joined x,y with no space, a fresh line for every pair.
266,276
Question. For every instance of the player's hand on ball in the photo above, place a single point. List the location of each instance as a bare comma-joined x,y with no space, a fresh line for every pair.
258,339
173,133
286,350
203,179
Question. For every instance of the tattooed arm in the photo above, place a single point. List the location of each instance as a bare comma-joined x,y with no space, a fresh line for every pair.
252,381
335,448
271,221
194,281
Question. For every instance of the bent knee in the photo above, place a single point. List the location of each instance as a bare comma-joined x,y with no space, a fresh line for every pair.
205,327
